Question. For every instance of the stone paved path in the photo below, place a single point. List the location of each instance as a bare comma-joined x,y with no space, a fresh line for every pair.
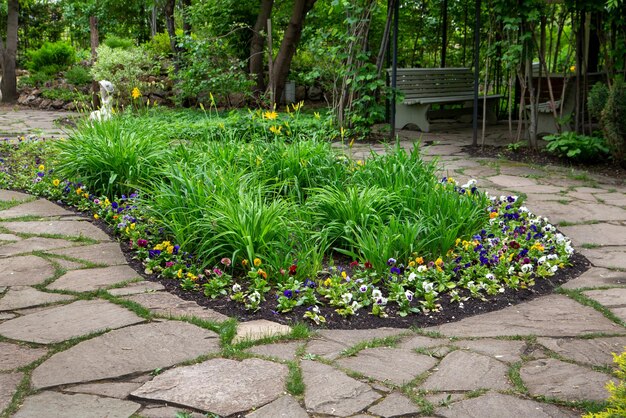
71,346
17,121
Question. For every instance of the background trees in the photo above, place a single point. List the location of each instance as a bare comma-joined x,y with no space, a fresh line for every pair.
339,47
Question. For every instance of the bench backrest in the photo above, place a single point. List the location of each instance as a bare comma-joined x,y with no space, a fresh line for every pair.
417,83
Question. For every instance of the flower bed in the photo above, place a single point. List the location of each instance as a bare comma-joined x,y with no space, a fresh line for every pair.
294,225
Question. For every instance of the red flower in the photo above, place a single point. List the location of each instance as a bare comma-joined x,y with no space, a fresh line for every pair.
354,264
368,265
142,242
292,269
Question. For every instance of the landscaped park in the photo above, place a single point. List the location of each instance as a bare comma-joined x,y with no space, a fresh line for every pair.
312,208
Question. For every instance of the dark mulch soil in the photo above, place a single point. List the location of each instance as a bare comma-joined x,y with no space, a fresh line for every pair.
449,312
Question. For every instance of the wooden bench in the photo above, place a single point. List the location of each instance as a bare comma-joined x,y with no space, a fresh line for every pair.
423,87
564,103
564,106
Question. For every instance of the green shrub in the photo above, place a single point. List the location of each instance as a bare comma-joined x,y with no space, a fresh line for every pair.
78,76
617,401
65,94
597,99
576,147
36,79
613,121
51,58
159,44
208,66
125,68
114,41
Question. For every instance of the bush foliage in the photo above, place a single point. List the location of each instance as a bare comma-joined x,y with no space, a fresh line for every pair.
125,68
51,58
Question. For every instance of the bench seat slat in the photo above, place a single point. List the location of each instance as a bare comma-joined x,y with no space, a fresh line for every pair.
449,99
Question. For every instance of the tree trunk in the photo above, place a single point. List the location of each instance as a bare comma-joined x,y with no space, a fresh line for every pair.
169,23
384,43
290,43
8,85
94,38
186,23
257,45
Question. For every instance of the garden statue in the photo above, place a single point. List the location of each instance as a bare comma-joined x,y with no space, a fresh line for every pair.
106,93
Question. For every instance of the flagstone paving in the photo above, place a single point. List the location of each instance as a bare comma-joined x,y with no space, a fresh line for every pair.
66,350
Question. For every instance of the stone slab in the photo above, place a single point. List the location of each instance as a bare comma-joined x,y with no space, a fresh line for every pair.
258,329
570,382
331,343
422,342
68,321
34,244
19,297
608,257
8,386
87,280
169,305
329,391
511,182
108,253
550,316
119,390
610,298
596,277
39,207
5,315
283,407
599,234
137,287
577,212
394,365
157,411
497,405
394,405
60,405
615,199
508,351
220,386
595,351
68,264
282,351
467,371
9,237
126,351
443,398
9,195
82,228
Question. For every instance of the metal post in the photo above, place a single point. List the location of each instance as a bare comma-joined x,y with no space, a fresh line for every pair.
476,74
394,66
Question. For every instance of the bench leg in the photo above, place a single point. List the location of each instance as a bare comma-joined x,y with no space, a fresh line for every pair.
416,114
492,111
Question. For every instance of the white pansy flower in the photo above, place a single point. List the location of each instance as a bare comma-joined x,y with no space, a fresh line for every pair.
526,268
